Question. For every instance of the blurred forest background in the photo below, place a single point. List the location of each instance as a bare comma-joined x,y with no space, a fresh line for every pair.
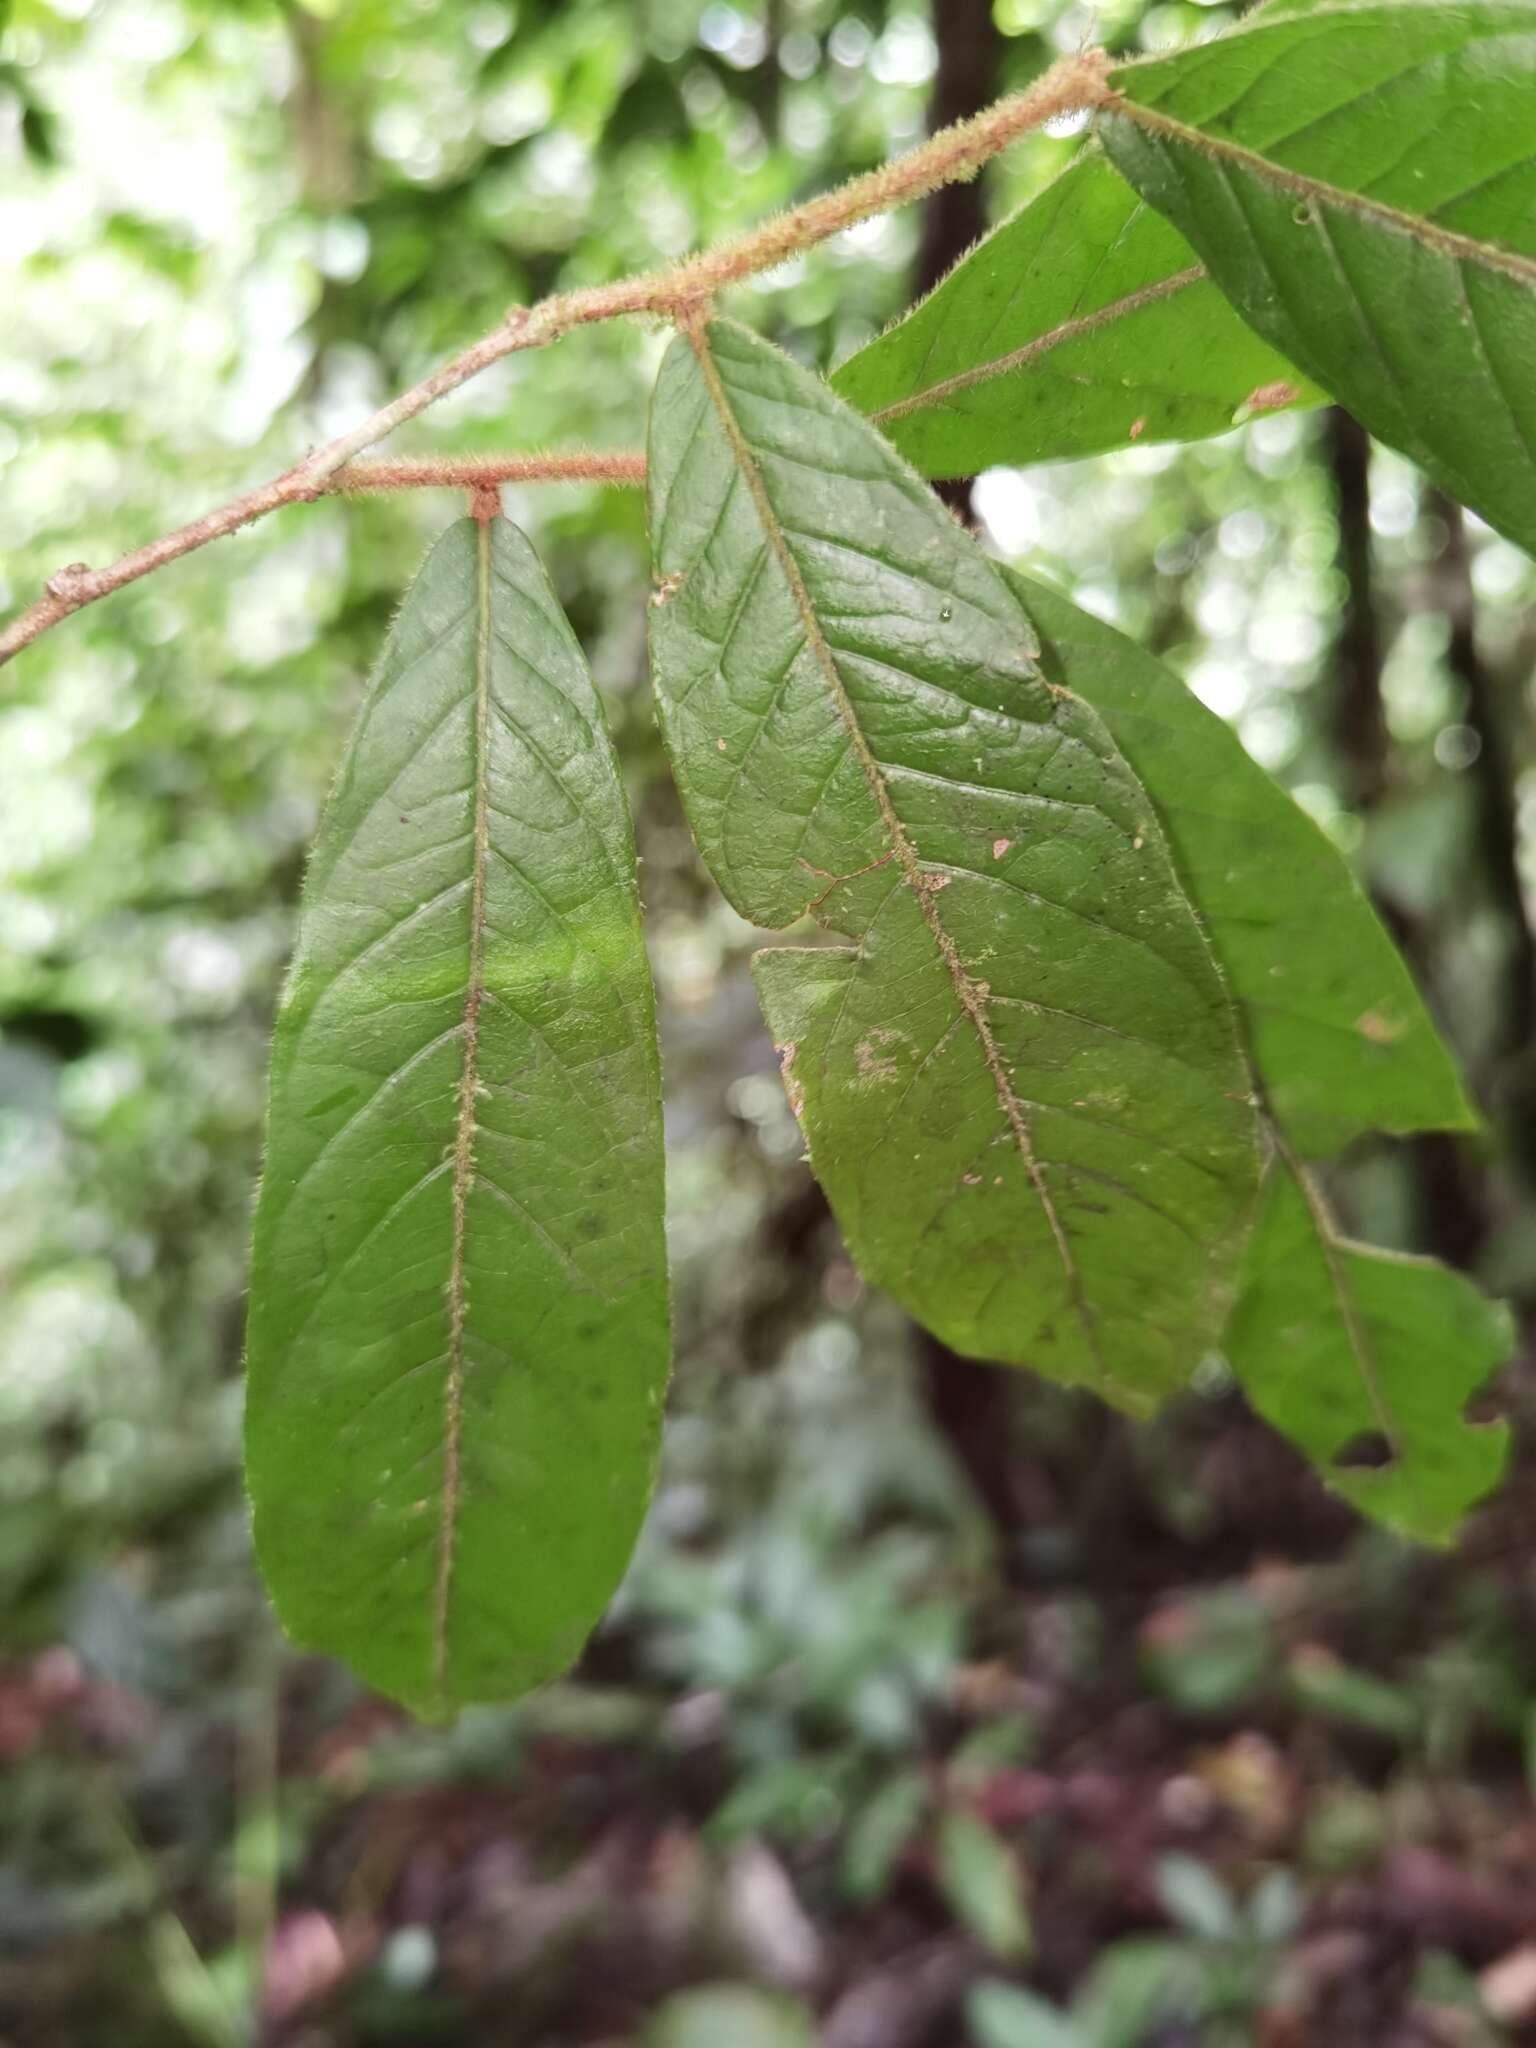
940,1707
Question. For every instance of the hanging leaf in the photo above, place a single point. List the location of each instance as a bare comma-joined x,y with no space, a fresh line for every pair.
1366,1359
1361,183
458,1338
1022,1083
1343,1348
1337,1031
1083,323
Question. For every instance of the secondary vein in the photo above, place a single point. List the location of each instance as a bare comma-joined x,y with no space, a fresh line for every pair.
464,1135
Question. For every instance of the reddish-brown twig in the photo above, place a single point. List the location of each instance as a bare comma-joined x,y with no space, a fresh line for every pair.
957,152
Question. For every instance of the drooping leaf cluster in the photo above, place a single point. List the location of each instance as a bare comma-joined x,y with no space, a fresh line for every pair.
1078,996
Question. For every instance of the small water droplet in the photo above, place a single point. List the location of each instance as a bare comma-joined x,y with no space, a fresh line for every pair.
1302,215
946,613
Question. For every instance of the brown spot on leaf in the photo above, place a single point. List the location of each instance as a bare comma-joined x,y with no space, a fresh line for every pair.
1000,847
874,1064
1270,397
1378,1029
1138,428
667,586
792,1088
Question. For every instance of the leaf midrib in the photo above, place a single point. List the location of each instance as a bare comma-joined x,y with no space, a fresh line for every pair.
464,1134
1360,1348
1447,242
966,990
1042,344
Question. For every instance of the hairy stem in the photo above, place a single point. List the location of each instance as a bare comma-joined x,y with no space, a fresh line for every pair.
485,472
954,153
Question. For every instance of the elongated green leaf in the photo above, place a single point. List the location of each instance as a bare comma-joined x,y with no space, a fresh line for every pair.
1341,1045
729,2016
980,1877
458,1336
1361,181
1022,1084
1000,2015
1083,323
1366,1359
1337,1031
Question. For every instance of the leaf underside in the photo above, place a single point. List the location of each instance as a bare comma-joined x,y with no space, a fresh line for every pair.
1022,1083
459,1324
1337,1345
1083,323
1361,182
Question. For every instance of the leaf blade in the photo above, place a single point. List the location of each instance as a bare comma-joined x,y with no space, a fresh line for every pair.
1400,276
1083,323
840,753
433,1340
1339,1034
982,1881
1314,1309
1340,1344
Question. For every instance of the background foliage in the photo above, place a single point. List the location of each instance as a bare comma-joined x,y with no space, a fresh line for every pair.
932,1692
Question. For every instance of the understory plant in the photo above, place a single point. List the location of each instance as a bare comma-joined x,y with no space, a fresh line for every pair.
1076,998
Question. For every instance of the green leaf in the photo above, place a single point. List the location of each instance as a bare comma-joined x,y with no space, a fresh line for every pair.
1085,322
1326,1689
1341,1045
1191,1894
730,2016
1361,182
458,1335
1358,1354
1140,1987
1022,1083
1338,1033
979,1876
1000,2015
1210,1653
880,1831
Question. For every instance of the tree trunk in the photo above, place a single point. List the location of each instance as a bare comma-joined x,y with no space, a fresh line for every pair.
970,55
969,1402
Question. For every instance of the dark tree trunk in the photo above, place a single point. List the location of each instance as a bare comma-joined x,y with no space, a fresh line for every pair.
1450,1195
970,55
1511,1078
969,1402
1360,729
